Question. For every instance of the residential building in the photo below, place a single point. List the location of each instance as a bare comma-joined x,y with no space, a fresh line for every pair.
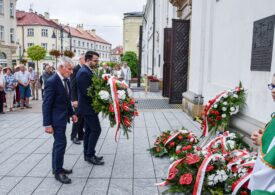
7,31
117,53
131,24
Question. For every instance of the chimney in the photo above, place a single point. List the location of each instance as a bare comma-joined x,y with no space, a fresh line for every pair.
79,27
92,32
47,15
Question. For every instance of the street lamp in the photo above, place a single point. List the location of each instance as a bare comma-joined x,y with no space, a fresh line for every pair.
61,28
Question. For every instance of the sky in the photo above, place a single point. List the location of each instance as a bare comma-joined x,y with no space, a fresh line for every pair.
103,15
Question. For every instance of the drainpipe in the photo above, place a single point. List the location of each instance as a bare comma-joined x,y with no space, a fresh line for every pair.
154,30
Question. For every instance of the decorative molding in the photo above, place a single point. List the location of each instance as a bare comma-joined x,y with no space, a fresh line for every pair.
180,4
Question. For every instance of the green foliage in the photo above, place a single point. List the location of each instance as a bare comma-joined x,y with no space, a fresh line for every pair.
69,54
54,52
131,58
36,52
110,64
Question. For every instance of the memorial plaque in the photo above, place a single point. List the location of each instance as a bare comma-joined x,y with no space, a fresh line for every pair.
262,45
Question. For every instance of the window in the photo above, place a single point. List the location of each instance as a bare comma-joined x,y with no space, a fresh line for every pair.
30,44
12,35
92,46
74,43
11,10
99,46
44,45
83,44
78,43
88,45
2,7
2,38
30,32
53,46
44,32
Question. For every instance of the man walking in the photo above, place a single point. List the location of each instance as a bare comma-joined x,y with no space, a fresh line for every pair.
85,109
77,129
57,110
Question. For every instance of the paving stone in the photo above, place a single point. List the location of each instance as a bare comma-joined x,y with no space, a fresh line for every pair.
27,165
109,147
82,168
123,167
43,168
76,187
141,146
75,149
121,187
32,146
49,186
104,171
161,166
162,121
140,170
11,163
125,146
96,187
26,186
8,183
150,120
145,187
45,148
8,143
140,132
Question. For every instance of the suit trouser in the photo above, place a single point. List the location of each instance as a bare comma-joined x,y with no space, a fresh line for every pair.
1,100
91,135
59,147
77,128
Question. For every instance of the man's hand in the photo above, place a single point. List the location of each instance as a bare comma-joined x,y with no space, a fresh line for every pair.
75,104
49,130
257,137
74,119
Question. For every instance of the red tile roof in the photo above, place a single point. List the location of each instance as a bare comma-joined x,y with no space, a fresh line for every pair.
118,50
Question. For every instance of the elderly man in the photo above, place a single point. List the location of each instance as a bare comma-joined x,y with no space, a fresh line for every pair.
34,83
127,73
57,110
77,129
1,89
24,87
45,76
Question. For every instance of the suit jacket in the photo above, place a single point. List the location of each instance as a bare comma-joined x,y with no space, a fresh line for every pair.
84,81
74,95
56,107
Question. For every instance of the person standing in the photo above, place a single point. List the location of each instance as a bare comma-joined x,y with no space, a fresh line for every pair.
1,90
45,76
33,83
85,109
10,85
118,73
57,110
262,180
17,92
24,87
106,69
77,128
127,73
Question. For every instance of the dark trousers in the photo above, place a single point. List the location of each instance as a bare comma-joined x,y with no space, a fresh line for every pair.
77,129
59,147
91,135
1,100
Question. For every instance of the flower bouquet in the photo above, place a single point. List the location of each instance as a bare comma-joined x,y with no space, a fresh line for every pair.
114,99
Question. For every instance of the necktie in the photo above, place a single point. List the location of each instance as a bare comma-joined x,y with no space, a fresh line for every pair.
66,86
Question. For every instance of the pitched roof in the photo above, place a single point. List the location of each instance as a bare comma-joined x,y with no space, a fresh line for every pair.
117,50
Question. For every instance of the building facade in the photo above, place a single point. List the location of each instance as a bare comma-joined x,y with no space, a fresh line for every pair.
117,54
37,29
7,31
131,24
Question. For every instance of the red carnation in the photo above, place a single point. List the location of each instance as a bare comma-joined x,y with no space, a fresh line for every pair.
192,158
186,179
209,168
237,89
212,112
125,106
126,122
111,108
210,119
218,118
184,148
234,169
198,149
213,124
180,137
189,147
106,77
132,102
158,149
172,174
244,193
217,112
136,113
190,136
178,151
172,144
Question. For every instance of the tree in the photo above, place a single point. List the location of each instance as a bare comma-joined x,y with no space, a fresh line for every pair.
56,53
36,53
131,58
69,53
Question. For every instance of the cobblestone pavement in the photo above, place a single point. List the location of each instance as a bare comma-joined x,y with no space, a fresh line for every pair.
25,156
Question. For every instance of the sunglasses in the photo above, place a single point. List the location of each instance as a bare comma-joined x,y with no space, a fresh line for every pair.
271,86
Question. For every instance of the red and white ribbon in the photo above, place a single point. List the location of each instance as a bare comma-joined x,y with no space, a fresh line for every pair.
112,82
171,137
236,186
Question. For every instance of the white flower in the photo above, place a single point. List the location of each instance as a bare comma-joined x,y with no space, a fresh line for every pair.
232,136
225,103
192,139
235,96
215,105
104,95
204,152
121,94
231,144
178,147
184,131
223,115
210,183
172,159
232,109
211,177
224,109
225,96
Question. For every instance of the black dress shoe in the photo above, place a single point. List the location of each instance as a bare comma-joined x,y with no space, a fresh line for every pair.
65,171
63,178
97,157
95,161
76,141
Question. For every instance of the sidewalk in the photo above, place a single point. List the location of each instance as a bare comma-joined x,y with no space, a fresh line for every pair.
25,155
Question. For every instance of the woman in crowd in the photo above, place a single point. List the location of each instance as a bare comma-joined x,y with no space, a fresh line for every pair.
118,73
10,85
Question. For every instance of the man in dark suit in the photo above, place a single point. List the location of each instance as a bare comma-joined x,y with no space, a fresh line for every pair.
57,110
85,109
77,129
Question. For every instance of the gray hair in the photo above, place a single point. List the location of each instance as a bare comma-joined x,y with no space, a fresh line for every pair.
63,61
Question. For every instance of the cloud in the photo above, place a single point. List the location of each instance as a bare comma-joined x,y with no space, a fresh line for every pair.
103,15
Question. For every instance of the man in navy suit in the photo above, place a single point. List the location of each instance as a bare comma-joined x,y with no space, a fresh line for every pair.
57,110
85,109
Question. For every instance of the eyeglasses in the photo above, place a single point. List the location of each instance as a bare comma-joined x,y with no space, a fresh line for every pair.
95,60
271,86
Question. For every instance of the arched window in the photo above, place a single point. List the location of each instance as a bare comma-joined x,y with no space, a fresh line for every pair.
3,59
